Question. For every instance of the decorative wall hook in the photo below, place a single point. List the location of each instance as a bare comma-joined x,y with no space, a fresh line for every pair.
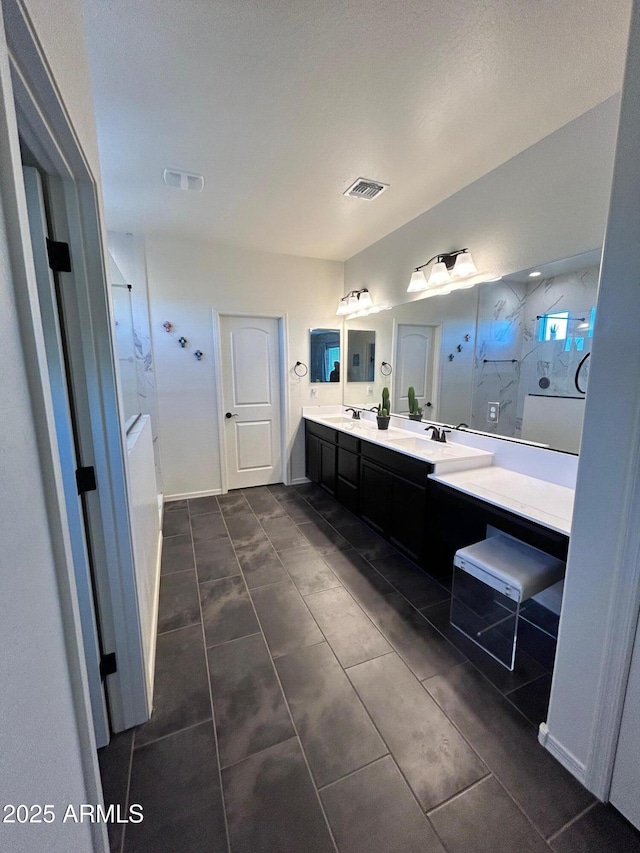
198,354
459,347
167,326
467,338
183,342
300,369
386,369
451,356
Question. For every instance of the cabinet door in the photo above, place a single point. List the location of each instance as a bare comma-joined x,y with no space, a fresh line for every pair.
408,517
348,466
313,458
375,495
328,462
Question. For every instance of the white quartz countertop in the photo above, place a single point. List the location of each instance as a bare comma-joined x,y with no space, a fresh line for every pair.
531,498
445,457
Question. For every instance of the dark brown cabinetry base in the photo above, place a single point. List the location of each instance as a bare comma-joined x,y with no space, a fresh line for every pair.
390,491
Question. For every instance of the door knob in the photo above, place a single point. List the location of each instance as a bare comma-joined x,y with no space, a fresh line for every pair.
229,415
428,405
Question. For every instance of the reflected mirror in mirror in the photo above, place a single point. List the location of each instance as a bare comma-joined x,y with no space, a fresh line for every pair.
325,355
361,355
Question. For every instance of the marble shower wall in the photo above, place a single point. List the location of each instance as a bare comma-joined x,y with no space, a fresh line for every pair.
499,337
508,355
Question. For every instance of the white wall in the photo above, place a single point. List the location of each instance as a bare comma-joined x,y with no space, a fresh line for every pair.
602,587
548,202
45,736
187,281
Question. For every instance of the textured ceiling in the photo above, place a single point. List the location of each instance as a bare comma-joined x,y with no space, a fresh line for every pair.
281,104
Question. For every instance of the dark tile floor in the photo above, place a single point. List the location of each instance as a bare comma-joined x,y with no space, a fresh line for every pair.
311,696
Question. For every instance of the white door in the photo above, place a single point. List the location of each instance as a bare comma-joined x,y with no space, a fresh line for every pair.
58,369
415,359
250,349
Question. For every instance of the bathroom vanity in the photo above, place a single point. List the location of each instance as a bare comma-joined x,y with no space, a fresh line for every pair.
430,498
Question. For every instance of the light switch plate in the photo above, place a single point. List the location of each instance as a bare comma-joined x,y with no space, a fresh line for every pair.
314,392
493,413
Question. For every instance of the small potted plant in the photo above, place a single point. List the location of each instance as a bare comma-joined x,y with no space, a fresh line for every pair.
383,410
415,412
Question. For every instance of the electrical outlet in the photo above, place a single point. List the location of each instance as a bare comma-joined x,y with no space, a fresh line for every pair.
370,390
493,413
314,392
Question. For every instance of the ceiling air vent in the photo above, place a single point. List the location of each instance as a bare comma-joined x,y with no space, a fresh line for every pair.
364,188
183,180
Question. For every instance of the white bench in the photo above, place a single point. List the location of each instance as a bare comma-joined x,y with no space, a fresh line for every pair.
492,579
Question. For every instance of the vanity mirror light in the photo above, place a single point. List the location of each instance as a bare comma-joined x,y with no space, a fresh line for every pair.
361,355
508,358
325,361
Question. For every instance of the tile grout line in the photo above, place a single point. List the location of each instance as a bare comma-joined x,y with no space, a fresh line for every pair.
490,768
213,712
293,724
390,753
570,823
171,734
128,791
491,772
369,562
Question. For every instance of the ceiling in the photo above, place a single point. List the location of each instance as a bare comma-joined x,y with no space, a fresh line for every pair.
282,104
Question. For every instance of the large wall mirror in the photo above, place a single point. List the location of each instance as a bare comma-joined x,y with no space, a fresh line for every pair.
509,358
325,355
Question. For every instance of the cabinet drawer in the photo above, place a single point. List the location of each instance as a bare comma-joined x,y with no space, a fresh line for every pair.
408,467
325,432
349,442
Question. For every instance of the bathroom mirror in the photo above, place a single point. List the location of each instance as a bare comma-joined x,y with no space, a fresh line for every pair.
324,362
508,358
361,355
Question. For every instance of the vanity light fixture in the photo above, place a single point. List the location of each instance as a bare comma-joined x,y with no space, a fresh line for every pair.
534,274
355,300
451,271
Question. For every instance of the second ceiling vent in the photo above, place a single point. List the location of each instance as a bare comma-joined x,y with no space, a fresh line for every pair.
184,180
364,188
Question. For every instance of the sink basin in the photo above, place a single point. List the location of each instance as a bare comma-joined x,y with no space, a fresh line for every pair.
339,419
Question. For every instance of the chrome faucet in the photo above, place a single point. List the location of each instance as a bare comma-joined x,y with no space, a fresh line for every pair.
438,434
356,413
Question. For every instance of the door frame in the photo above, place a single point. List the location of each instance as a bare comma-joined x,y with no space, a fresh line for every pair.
40,117
283,360
437,347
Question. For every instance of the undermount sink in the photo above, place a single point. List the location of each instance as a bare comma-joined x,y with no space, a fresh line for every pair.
339,419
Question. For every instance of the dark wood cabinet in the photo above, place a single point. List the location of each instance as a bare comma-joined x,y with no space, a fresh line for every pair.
456,520
375,495
322,457
388,490
408,518
328,459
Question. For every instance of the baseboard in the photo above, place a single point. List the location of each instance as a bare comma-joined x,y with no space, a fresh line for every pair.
298,481
561,754
192,495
